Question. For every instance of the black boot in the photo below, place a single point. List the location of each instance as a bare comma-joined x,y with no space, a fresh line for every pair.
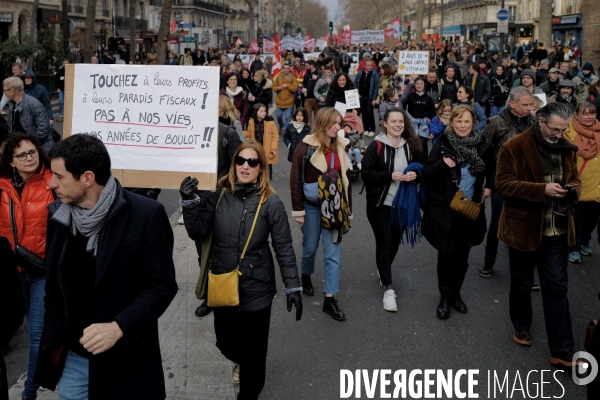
486,271
330,306
443,310
458,304
307,287
203,310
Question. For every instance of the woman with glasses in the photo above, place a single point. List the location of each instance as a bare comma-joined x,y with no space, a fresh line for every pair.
24,195
229,213
465,96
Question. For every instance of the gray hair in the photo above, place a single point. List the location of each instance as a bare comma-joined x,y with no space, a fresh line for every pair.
554,108
518,92
585,106
18,65
13,82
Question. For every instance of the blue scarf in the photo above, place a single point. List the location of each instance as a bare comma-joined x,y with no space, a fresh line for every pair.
406,213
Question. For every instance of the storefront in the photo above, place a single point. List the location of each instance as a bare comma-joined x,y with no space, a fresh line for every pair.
6,19
569,29
453,32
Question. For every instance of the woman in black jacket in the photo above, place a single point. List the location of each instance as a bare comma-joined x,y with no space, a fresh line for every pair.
263,94
500,90
296,131
12,306
341,83
461,158
243,331
383,165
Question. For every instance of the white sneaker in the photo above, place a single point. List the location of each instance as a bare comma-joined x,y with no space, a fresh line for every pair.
180,221
371,134
389,300
359,165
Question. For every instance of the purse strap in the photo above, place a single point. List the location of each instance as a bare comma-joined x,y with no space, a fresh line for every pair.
13,222
582,167
252,229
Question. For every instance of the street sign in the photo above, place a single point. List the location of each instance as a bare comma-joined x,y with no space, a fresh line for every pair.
502,27
503,14
429,31
400,29
186,26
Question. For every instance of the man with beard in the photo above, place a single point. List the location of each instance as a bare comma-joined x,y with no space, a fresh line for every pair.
565,94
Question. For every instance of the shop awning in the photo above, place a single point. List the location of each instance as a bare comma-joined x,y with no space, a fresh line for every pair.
451,30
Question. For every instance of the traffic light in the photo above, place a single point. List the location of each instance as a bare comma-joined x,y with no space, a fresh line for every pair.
408,29
331,26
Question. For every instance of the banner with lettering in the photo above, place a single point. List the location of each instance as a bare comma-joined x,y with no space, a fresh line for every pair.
413,62
268,46
151,118
309,45
346,34
254,46
367,36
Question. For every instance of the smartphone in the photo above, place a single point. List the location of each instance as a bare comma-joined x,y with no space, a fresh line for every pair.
570,186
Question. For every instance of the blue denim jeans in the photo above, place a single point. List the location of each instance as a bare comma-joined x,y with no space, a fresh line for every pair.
34,290
281,113
491,243
74,381
495,110
551,261
312,234
61,103
356,153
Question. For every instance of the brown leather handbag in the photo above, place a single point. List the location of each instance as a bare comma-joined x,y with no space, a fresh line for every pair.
461,203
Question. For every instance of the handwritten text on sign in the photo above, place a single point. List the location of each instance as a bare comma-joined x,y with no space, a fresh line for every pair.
156,118
352,99
413,62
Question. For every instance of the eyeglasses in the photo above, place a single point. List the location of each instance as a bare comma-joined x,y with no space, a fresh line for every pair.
252,162
555,130
23,156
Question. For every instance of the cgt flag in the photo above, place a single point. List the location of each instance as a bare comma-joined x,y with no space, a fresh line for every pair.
276,56
254,46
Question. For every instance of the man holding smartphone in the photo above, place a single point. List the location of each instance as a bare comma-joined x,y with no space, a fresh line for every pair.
537,174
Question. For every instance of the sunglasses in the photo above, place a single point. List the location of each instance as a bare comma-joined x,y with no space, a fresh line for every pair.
252,162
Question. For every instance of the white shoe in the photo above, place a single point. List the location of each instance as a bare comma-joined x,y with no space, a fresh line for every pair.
235,373
389,300
359,165
180,221
371,134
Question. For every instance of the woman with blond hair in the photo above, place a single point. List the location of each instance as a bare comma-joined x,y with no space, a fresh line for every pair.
244,211
328,152
262,88
462,158
230,116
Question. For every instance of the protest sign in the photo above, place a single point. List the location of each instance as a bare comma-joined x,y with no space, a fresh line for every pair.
367,36
268,45
321,44
413,62
311,56
159,124
346,35
542,97
353,69
340,107
309,44
390,40
352,99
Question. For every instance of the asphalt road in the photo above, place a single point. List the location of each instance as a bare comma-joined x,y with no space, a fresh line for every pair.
413,338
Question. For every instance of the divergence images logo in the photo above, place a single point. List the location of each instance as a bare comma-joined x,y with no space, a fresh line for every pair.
585,372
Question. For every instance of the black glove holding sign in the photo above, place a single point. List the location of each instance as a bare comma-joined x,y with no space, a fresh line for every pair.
188,187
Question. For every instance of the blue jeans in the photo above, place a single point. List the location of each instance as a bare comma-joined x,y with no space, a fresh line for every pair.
312,234
491,243
551,261
61,103
74,381
356,153
281,112
34,290
495,110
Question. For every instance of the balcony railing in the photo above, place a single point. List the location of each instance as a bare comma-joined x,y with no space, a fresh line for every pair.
157,3
201,4
123,23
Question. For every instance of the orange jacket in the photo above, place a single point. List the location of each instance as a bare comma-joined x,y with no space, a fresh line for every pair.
31,211
270,139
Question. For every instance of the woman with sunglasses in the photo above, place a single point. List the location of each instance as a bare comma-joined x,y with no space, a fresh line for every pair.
243,331
24,195
328,149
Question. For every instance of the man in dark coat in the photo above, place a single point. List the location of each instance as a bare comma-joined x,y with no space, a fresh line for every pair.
109,277
537,175
38,92
480,85
12,306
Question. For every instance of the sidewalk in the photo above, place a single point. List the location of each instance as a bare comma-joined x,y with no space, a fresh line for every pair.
194,368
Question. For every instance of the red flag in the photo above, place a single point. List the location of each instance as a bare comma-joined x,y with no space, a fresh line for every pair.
254,46
276,56
308,35
239,41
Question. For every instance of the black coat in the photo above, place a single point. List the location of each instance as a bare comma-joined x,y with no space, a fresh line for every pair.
336,94
377,170
292,137
440,225
264,93
231,224
229,141
12,305
135,283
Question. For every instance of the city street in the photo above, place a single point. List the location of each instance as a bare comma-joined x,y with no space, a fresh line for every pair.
305,358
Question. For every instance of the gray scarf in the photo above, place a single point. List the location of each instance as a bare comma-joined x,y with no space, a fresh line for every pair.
89,222
466,151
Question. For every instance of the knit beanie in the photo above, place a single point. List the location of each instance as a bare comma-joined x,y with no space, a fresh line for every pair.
528,72
588,66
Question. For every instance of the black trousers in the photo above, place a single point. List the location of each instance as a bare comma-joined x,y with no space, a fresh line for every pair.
551,259
243,337
3,379
452,267
368,118
387,240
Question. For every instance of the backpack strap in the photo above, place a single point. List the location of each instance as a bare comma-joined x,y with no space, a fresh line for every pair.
379,147
306,160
